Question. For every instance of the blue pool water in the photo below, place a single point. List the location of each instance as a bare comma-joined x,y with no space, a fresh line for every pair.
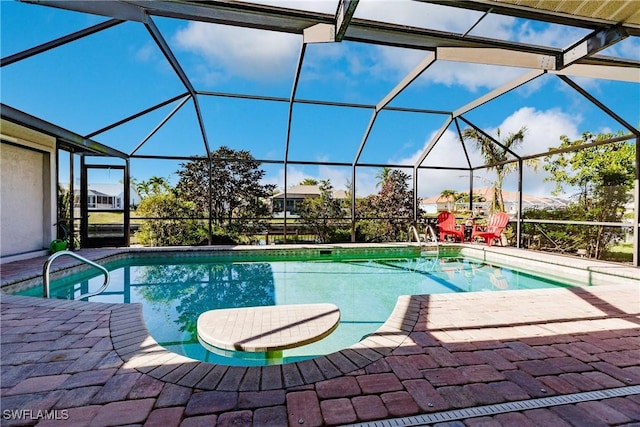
175,291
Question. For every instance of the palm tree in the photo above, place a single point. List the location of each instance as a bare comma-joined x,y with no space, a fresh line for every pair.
383,176
451,197
495,155
154,185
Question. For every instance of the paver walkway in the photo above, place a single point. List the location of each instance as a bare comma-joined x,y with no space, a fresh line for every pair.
94,364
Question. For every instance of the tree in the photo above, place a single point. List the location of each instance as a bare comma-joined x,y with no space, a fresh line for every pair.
236,188
386,216
154,185
309,181
603,176
172,220
383,175
368,227
322,213
464,197
494,155
451,196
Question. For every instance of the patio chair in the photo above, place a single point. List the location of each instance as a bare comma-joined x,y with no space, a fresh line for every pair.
493,230
448,227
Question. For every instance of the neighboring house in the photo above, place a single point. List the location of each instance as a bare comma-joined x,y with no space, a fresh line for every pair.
435,204
438,203
296,195
107,196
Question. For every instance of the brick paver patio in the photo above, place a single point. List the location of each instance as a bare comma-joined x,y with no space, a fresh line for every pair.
94,364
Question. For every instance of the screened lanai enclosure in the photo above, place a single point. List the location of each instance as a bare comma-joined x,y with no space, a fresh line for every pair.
183,122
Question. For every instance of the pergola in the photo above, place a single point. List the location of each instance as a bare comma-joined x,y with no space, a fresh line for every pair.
605,22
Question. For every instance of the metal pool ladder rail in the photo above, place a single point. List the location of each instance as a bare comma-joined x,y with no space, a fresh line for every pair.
47,265
413,232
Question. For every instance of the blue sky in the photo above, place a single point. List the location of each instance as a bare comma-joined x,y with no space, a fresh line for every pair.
88,84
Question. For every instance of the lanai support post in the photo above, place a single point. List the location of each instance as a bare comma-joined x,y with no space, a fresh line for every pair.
292,99
415,195
127,203
471,191
72,216
519,214
636,209
353,203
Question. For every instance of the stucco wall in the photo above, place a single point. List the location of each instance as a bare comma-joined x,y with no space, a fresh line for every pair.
27,191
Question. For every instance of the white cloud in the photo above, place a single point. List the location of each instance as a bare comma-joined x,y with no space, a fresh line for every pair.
395,63
417,14
496,27
549,35
392,63
263,56
627,48
366,181
146,52
544,127
250,53
294,176
471,76
339,176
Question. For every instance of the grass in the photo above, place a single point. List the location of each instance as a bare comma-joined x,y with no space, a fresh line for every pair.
621,252
108,217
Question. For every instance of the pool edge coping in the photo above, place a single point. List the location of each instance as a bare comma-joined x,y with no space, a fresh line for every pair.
113,254
602,270
139,350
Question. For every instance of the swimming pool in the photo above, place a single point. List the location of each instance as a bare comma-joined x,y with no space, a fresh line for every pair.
175,290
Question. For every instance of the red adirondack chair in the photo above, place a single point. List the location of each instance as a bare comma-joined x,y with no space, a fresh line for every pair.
447,226
493,230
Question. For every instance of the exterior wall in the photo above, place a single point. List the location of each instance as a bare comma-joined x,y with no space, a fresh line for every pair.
27,192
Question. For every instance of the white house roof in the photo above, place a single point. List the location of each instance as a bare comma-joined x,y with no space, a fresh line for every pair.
508,196
108,189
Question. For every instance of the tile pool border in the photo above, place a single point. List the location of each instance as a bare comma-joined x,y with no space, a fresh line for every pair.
59,270
581,271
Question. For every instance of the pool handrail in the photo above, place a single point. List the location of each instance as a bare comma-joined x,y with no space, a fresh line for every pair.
54,256
432,232
413,231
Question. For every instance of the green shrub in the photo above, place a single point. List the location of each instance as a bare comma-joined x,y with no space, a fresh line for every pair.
171,224
340,235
